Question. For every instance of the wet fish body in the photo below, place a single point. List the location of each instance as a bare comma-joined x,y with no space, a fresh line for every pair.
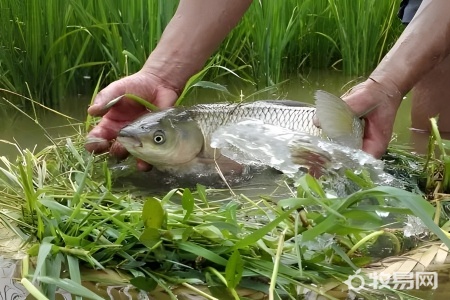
177,140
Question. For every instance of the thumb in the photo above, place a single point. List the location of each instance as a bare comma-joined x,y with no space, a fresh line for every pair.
112,91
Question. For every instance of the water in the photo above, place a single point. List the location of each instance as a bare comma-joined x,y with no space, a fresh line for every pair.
16,126
255,143
31,132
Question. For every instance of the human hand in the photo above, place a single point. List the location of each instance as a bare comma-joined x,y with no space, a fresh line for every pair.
143,84
378,105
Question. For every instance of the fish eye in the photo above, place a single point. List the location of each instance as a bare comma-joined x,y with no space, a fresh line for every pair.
159,137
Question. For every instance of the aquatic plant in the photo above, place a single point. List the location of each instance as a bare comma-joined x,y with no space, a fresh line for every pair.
63,203
437,166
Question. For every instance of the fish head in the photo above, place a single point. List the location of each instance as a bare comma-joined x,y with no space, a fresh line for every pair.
165,138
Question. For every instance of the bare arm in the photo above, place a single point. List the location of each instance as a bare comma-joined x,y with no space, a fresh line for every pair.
195,31
424,43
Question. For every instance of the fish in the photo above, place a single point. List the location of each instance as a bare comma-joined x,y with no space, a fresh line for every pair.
177,140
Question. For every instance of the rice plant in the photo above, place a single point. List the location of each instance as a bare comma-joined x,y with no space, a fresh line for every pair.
363,29
37,54
51,49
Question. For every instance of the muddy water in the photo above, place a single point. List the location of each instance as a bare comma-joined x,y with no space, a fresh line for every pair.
16,127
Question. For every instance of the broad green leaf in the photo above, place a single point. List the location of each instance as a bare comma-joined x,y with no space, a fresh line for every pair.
74,268
234,229
362,218
53,266
314,185
34,291
58,207
210,232
153,213
150,237
144,283
187,201
362,182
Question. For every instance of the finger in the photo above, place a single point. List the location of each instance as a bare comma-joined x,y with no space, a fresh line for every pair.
356,104
96,145
375,140
98,139
118,151
142,165
165,98
373,148
112,91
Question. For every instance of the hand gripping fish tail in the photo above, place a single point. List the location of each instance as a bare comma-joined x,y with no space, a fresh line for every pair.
338,122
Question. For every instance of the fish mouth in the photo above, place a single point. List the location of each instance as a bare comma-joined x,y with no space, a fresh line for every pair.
126,138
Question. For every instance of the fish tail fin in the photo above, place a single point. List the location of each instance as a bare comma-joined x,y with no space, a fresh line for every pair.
338,122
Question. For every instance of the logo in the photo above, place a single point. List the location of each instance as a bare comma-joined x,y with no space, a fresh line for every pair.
396,280
355,282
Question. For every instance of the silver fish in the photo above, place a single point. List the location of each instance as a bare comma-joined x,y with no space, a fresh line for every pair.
177,139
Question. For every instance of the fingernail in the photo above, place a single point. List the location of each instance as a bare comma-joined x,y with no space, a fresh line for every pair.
112,102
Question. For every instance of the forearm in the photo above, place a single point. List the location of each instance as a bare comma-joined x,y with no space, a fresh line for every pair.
424,43
195,31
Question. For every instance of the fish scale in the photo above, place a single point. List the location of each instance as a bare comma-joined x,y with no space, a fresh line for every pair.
297,118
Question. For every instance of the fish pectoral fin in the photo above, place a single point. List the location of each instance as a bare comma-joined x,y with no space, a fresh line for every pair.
337,120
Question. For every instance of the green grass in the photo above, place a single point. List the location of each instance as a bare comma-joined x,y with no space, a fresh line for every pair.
62,201
51,49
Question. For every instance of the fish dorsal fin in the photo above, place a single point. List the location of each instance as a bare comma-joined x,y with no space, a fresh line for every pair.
337,120
286,102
